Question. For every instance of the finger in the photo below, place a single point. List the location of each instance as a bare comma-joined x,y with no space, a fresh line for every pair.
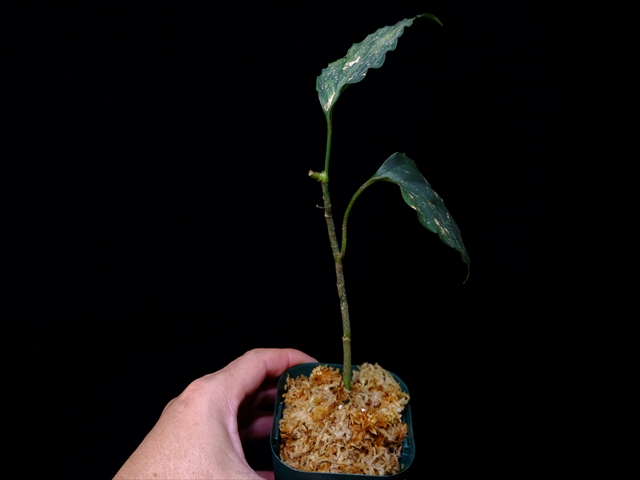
261,398
259,428
244,375
264,396
265,475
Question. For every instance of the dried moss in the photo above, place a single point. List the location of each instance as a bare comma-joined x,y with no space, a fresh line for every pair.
325,428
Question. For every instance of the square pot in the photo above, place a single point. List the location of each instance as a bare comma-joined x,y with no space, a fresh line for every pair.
285,472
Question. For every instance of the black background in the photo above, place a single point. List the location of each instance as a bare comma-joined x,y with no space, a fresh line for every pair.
167,224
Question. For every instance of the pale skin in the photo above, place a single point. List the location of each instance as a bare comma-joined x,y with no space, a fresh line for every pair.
199,433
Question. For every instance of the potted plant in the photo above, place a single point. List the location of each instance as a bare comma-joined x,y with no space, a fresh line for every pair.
336,418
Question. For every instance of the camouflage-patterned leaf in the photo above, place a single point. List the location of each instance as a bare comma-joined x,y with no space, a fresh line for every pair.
370,53
419,195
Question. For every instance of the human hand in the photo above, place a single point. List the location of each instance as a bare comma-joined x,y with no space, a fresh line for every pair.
199,433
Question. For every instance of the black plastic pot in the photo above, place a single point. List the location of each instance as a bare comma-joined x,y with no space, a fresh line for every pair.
284,472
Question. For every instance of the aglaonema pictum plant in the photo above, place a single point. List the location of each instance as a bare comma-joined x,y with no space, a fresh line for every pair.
398,168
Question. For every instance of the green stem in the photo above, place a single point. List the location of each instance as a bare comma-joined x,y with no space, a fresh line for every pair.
328,151
343,250
342,292
323,178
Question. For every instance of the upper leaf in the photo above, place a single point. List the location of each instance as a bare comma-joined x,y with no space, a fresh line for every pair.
370,53
419,195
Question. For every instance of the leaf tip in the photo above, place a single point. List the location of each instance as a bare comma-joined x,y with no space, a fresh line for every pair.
432,17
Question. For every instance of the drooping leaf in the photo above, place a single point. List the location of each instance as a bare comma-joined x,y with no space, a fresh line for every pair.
419,195
370,53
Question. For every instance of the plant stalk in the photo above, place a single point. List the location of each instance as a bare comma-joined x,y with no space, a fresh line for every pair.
328,150
342,292
343,250
323,178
